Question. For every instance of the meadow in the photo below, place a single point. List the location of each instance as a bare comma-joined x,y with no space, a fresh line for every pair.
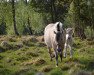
28,55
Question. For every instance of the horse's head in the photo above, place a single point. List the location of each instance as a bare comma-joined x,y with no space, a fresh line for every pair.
69,33
58,32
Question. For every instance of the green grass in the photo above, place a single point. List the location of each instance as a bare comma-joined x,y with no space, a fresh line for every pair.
32,58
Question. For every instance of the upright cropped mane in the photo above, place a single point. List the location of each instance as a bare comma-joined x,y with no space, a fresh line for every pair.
58,26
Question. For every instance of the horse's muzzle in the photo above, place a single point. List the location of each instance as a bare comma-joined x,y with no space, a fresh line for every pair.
59,49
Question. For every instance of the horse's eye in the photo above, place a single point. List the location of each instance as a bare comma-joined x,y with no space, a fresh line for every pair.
55,32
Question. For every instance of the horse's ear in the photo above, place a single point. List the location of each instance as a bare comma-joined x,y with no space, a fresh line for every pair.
54,32
65,29
71,30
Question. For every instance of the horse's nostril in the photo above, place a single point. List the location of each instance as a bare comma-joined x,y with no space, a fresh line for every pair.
69,37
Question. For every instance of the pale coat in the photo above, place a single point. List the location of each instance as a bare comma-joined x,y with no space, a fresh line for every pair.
50,39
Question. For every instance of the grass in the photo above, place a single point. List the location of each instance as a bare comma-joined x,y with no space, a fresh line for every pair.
29,56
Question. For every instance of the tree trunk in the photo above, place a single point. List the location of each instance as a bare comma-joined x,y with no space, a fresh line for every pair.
30,29
26,1
28,21
53,11
14,20
52,14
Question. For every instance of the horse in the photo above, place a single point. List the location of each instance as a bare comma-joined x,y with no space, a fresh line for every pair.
54,38
68,42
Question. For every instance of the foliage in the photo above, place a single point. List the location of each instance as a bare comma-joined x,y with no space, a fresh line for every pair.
3,28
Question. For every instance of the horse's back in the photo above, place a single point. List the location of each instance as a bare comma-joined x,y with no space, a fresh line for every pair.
48,35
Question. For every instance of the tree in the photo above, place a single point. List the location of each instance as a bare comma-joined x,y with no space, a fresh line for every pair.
28,19
74,16
90,4
56,8
14,20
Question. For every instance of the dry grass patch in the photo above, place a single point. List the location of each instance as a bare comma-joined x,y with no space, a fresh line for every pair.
12,39
39,62
8,60
92,73
36,62
82,73
40,38
26,63
40,44
32,54
90,42
6,45
65,67
29,39
46,68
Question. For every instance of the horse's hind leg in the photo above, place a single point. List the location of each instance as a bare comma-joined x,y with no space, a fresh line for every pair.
49,50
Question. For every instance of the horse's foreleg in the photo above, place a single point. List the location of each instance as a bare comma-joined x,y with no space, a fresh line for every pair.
71,52
65,49
56,57
61,56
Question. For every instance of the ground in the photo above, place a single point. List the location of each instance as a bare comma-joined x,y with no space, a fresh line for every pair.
28,55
